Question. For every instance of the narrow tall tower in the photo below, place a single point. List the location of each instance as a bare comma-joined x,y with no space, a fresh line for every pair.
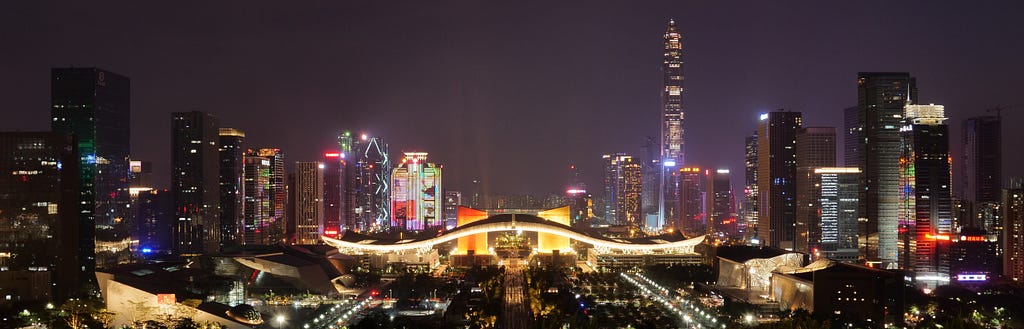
672,123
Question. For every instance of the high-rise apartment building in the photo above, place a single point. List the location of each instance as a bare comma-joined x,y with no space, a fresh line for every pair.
623,180
837,190
231,155
776,178
195,180
981,171
881,99
815,148
925,208
1013,232
308,213
416,191
40,227
672,153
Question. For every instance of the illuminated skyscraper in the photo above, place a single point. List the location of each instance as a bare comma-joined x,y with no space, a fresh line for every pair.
622,188
982,172
719,205
416,189
925,209
332,193
452,200
40,232
195,180
692,213
881,98
258,199
231,165
272,227
750,208
815,148
95,106
1013,232
372,183
309,203
776,178
837,190
672,123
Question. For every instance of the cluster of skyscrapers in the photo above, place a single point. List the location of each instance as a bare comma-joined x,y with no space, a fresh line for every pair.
890,203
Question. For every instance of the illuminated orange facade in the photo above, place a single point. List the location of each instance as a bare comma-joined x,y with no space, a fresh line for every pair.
476,242
547,242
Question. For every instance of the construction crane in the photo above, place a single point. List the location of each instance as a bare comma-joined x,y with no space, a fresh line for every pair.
999,109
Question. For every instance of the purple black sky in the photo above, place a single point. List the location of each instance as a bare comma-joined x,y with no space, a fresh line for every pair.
512,91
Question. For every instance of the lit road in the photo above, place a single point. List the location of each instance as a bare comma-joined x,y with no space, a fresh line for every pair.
690,312
515,314
339,315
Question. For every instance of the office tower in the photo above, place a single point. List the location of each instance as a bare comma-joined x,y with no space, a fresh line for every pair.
452,200
140,174
815,148
580,203
373,183
925,209
776,178
1013,232
981,174
750,207
257,200
672,123
852,138
416,185
719,203
278,191
154,221
623,180
350,186
650,195
837,190
692,215
140,179
332,194
309,203
195,181
95,106
881,98
231,155
40,227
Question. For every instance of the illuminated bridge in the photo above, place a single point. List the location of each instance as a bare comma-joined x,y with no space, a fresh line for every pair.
552,235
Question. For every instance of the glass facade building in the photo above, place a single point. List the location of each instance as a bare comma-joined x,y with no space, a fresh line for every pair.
195,182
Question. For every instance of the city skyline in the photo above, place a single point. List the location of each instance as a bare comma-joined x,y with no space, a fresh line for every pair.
454,84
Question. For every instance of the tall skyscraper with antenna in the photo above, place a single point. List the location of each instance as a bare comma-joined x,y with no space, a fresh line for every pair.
672,124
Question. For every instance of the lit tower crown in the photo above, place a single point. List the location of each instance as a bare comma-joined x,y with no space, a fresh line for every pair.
672,96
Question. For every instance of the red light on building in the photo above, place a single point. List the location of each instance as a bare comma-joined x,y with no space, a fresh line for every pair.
332,155
973,238
331,232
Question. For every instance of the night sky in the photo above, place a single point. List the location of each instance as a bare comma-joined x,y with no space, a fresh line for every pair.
512,92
